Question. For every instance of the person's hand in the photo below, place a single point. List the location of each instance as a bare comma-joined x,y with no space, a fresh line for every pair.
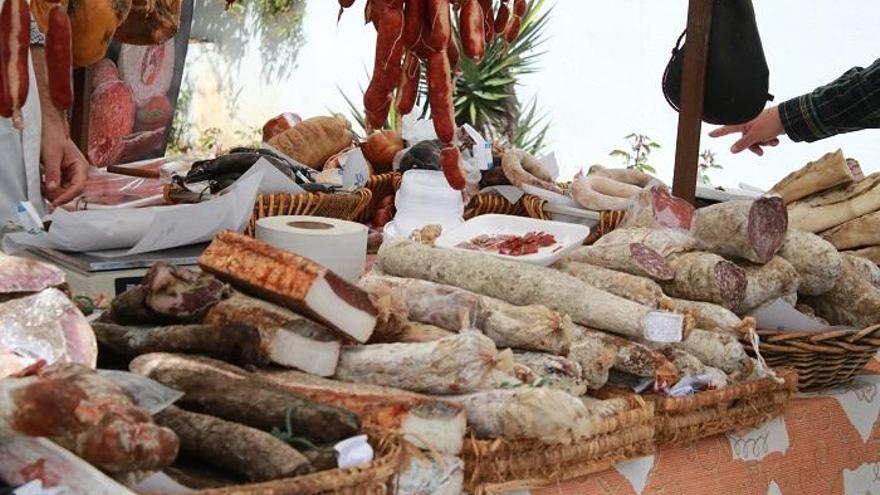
65,170
763,130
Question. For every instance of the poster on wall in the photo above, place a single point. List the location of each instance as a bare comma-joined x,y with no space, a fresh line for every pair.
130,96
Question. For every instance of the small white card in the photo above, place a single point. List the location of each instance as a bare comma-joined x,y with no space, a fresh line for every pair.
482,150
355,169
664,327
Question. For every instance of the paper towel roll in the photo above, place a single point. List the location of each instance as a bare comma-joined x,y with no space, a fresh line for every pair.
336,244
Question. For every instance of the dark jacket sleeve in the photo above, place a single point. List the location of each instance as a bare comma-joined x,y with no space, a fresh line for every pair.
850,103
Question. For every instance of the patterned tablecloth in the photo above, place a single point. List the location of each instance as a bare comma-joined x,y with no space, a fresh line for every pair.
824,444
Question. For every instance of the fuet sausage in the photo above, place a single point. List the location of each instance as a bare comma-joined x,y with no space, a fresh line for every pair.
471,26
408,89
15,27
521,168
440,91
450,159
59,58
601,193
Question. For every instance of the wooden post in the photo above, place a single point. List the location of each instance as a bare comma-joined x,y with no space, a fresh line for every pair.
693,81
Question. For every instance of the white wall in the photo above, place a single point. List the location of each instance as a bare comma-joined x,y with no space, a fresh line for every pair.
600,77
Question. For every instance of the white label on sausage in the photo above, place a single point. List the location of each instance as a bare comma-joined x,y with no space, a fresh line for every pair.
664,327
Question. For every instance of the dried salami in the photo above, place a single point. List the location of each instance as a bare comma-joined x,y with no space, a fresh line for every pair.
707,315
638,289
767,283
750,229
633,258
817,262
664,241
706,277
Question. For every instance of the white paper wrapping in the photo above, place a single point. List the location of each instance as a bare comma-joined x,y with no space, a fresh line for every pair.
338,245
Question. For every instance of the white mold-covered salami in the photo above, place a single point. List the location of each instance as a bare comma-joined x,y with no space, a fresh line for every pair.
706,277
750,229
853,301
864,266
706,315
638,289
630,357
816,261
516,283
555,372
767,283
532,328
551,416
690,365
719,350
664,241
872,253
634,258
595,356
459,364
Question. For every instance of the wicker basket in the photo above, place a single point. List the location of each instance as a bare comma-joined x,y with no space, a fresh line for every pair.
823,359
344,206
380,186
494,466
684,420
376,478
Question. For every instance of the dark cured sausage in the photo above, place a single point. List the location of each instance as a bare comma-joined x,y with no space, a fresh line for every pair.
472,27
408,90
450,159
440,90
14,27
386,67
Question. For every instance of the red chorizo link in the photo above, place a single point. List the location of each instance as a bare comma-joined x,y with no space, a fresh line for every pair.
450,159
413,20
519,8
488,21
15,20
453,55
513,27
59,58
502,18
5,96
440,24
408,89
346,3
471,27
440,92
386,66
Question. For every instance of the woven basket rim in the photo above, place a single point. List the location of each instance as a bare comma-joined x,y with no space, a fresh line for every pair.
713,398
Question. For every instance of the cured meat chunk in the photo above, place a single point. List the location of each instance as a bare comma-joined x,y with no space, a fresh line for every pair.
664,241
655,208
750,229
632,357
767,283
22,275
181,292
634,258
865,267
293,281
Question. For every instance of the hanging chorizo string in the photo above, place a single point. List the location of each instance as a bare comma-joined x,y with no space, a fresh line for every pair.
412,32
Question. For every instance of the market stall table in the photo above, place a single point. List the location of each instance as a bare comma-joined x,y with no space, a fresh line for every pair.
825,444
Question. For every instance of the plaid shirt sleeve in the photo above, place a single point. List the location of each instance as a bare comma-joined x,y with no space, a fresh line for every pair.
850,103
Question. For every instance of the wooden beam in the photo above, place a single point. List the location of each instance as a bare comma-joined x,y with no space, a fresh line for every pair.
693,82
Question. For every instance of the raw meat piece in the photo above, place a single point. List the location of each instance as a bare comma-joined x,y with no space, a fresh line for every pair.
516,283
180,292
288,338
293,281
24,275
426,422
750,229
245,398
111,116
459,364
253,454
156,113
103,71
45,326
816,261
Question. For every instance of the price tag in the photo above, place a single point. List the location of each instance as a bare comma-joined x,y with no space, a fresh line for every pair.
664,327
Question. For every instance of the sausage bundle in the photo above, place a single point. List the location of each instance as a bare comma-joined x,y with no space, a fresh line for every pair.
413,32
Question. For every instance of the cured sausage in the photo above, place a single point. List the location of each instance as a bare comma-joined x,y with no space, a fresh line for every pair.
440,91
450,160
706,277
707,315
665,241
521,168
633,258
638,289
413,22
766,283
655,208
15,20
439,23
632,357
386,67
719,350
690,365
865,267
853,301
408,89
471,26
750,229
625,175
817,262
556,372
601,193
488,21
59,58
516,283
